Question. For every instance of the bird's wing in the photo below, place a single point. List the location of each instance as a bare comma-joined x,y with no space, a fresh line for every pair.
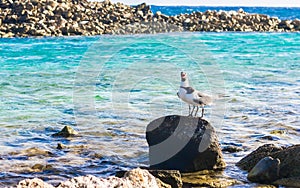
206,99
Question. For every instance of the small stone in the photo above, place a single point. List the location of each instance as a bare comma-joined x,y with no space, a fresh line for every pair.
188,20
232,149
265,171
158,13
61,146
278,132
38,167
67,131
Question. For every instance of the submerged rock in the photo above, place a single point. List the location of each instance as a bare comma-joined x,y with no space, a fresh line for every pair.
32,152
232,149
67,131
265,171
183,143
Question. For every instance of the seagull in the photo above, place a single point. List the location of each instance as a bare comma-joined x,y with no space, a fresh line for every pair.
192,96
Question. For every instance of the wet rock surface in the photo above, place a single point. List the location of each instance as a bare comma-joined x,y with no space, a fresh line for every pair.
232,149
67,131
287,169
265,171
170,177
207,178
73,17
183,143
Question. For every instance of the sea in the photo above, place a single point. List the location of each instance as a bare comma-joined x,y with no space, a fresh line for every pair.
108,88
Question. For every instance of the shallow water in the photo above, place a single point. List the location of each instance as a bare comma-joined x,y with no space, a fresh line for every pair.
109,88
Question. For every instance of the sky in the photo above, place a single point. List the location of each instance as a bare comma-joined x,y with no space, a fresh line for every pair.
264,3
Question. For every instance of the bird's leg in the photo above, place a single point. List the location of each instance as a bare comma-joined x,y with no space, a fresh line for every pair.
197,108
191,114
189,110
202,111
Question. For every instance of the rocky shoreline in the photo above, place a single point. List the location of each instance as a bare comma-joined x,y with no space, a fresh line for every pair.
269,164
28,18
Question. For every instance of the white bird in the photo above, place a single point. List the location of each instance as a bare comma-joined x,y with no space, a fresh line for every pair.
192,96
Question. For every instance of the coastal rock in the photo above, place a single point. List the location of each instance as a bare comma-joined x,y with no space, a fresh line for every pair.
265,171
164,178
183,143
248,162
170,177
141,178
288,182
208,178
67,131
289,161
33,183
133,178
289,157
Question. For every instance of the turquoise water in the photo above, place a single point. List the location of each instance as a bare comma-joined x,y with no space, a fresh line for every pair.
109,88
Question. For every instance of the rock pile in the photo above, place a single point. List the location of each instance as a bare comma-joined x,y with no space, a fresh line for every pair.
23,18
274,165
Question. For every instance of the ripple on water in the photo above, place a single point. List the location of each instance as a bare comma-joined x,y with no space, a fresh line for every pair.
36,100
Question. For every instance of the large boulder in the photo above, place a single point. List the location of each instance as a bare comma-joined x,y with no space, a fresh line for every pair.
183,143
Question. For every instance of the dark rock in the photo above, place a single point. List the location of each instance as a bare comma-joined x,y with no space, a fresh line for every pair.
183,143
265,171
67,131
248,162
61,146
288,182
170,177
289,159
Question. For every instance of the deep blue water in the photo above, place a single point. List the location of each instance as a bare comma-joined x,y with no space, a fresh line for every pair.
280,12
